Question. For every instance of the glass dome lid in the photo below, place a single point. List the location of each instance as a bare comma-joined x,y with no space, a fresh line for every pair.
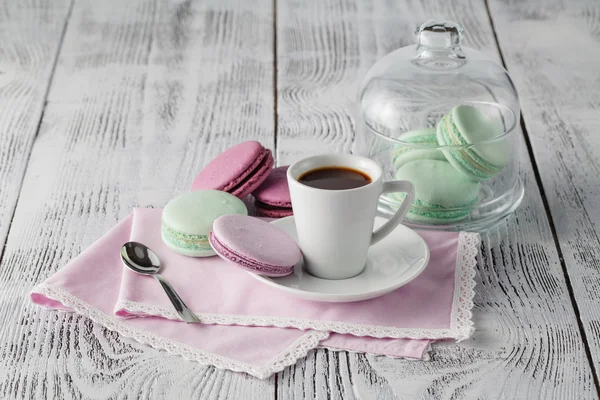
414,86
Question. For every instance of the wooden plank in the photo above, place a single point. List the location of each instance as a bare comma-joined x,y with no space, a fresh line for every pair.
551,49
30,36
527,344
144,94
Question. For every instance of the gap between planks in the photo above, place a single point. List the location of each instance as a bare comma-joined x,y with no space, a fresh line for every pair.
548,212
275,90
39,124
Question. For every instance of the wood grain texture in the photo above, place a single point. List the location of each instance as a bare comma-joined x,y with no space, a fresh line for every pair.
528,343
144,93
30,36
553,53
317,66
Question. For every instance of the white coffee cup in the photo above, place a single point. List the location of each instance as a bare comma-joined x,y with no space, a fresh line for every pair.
335,227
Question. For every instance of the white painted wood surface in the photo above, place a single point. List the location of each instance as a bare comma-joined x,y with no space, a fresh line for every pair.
527,343
30,36
553,53
145,92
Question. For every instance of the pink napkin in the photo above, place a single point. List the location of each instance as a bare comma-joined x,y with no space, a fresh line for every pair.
240,313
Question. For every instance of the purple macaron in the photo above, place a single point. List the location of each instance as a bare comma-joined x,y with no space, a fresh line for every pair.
239,170
254,245
272,198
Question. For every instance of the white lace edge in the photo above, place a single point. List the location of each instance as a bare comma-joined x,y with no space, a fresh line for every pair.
464,285
461,320
309,341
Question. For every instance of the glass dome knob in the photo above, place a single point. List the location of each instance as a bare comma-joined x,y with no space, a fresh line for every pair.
439,34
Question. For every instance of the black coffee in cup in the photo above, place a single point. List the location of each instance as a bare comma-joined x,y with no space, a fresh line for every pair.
334,178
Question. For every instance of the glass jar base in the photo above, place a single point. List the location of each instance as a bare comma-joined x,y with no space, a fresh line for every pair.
481,217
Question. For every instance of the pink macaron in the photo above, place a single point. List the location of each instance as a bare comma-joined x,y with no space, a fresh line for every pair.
239,170
272,198
254,245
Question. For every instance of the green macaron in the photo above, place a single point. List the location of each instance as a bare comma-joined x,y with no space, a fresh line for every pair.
466,125
442,194
421,145
188,219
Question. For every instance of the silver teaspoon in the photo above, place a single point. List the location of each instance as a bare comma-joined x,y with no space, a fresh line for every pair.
142,260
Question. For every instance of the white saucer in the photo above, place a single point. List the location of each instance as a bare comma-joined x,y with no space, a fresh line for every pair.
396,260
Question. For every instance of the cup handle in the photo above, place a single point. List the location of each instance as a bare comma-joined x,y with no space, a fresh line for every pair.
391,187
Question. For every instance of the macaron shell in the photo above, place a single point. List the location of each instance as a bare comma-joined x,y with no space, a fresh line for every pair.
274,213
246,263
426,149
426,135
256,178
231,167
476,127
418,154
437,183
194,212
257,240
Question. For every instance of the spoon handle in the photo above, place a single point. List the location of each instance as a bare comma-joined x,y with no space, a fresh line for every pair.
184,312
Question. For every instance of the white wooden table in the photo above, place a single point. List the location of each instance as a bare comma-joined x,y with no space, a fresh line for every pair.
110,104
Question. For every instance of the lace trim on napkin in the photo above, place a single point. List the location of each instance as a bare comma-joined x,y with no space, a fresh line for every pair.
461,326
464,281
287,357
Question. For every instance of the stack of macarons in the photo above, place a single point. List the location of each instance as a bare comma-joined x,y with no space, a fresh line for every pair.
212,219
205,223
247,168
447,164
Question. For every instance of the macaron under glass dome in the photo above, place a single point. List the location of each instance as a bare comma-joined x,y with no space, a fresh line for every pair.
445,117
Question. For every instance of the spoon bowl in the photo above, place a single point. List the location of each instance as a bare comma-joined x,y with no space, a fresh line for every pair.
140,258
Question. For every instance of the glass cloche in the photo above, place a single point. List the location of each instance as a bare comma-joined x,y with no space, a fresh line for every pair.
443,116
